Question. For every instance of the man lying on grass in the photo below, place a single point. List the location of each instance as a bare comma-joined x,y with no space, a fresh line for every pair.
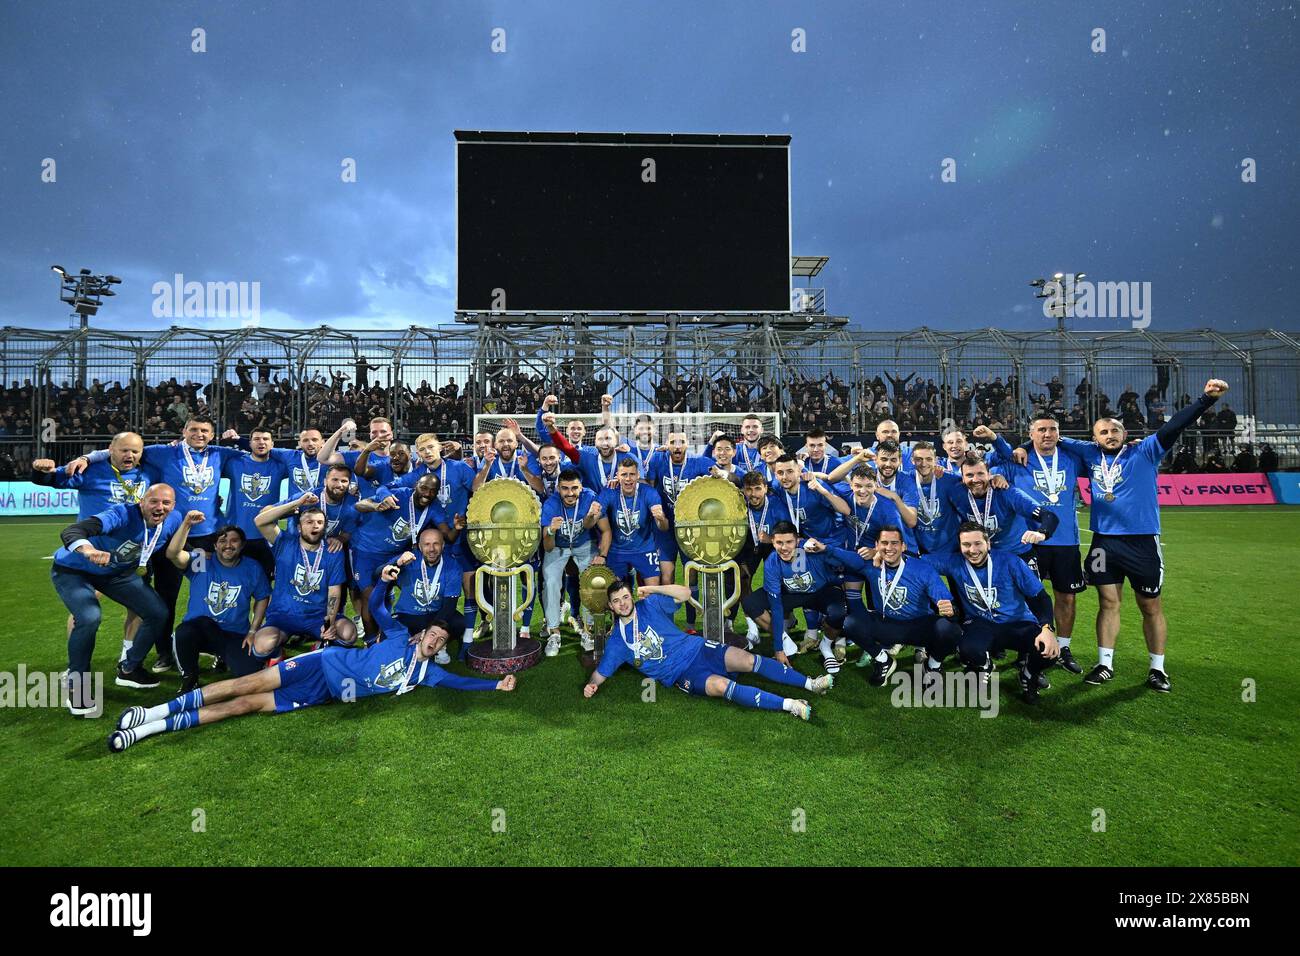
398,663
645,636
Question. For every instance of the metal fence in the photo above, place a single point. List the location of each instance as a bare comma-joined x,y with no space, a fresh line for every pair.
64,390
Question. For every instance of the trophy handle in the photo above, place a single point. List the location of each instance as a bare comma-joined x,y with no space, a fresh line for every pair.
526,571
693,568
729,600
484,605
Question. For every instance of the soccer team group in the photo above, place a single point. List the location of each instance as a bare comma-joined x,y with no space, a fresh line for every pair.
944,553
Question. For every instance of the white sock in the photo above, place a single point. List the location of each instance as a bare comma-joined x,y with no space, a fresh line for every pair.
882,657
787,704
150,728
933,664
812,635
1063,641
1158,662
156,713
1106,655
807,683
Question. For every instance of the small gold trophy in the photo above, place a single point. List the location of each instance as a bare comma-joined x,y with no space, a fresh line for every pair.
593,593
504,528
711,529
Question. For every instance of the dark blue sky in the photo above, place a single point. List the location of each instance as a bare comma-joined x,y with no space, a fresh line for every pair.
225,165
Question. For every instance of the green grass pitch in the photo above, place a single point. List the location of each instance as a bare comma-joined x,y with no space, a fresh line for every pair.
542,776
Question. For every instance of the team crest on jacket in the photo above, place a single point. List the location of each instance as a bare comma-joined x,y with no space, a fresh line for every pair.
800,582
973,595
197,478
254,486
126,492
128,552
304,479
628,521
222,596
390,676
1041,482
896,600
648,647
1099,477
306,583
401,531
426,592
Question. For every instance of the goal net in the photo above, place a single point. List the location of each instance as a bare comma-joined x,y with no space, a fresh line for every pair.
698,426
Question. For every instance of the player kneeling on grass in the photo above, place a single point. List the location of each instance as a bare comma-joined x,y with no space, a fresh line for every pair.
399,663
906,594
645,636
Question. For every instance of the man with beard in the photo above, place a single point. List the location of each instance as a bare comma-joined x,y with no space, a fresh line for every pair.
224,586
255,479
936,521
307,597
428,586
763,511
1006,608
1005,512
569,518
391,522
635,512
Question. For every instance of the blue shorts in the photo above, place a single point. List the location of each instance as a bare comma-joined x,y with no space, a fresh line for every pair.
667,544
302,683
622,563
711,660
366,565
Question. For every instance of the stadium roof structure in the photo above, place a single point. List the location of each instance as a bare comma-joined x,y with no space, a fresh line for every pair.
807,266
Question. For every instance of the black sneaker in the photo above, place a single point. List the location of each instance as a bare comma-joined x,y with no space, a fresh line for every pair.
1099,675
1158,680
1043,682
189,682
919,656
1029,685
1067,661
139,678
880,671
219,665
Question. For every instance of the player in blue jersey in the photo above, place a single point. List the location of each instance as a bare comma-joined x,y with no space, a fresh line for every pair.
429,587
936,521
634,511
455,485
1125,523
391,520
813,506
646,637
381,431
912,606
1006,608
574,530
1051,478
307,596
668,476
1006,512
720,462
643,447
769,450
871,507
193,468
255,479
107,554
762,512
817,460
396,665
119,480
599,464
224,586
795,578
306,473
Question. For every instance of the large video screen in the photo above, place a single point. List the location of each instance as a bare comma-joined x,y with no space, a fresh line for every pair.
622,223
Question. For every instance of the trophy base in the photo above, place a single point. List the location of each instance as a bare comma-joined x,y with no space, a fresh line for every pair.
588,660
482,658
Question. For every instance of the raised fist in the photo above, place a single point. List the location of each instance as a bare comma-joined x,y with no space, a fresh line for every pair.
1215,387
193,518
43,465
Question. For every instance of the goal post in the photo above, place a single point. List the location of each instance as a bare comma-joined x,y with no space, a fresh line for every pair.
699,426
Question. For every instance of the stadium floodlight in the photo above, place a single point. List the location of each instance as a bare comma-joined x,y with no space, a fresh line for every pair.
84,292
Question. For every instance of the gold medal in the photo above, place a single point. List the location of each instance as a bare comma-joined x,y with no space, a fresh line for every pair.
143,570
1110,496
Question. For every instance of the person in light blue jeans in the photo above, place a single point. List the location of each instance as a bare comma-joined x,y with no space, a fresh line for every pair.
570,520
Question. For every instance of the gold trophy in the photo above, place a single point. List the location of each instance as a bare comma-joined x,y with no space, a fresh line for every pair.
711,528
593,593
504,528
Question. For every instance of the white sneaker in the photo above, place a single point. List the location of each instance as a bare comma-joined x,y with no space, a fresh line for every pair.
751,634
524,634
810,640
553,644
801,709
822,684
841,648
586,641
789,646
361,626
442,657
